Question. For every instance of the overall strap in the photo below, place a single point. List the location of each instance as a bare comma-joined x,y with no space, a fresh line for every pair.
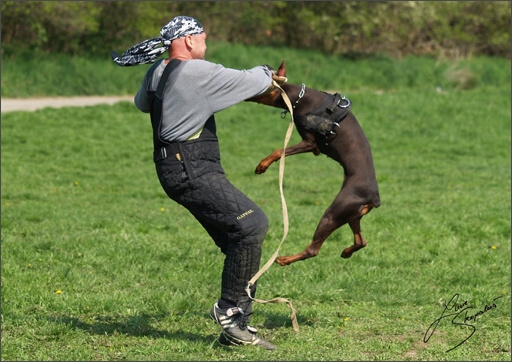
157,103
165,75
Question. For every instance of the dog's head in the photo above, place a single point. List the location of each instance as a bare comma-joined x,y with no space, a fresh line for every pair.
273,97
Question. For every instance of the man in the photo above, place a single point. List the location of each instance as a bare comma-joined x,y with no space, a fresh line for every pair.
188,161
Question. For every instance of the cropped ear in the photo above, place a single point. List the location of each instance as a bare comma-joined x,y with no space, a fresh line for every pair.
282,70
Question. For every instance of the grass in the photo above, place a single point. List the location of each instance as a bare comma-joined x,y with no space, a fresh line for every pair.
98,264
34,74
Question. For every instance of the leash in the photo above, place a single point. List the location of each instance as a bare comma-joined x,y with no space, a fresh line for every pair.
253,280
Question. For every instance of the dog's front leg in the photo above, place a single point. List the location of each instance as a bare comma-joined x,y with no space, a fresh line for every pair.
267,161
301,147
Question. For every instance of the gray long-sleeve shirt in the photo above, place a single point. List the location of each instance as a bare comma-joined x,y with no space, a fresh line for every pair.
198,89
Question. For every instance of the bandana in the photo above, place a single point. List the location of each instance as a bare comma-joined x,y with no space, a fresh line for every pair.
150,50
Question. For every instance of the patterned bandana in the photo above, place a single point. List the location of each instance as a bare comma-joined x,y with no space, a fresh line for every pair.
149,50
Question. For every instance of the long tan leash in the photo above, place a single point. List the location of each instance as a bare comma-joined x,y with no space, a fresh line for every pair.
253,280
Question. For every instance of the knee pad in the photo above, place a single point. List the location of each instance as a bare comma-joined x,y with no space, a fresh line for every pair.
253,227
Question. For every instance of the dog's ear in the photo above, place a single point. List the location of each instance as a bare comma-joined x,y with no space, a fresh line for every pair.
282,70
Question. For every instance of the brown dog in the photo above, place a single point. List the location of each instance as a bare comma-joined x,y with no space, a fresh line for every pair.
327,126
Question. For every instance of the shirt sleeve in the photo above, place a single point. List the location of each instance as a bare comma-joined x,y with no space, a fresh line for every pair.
225,87
141,99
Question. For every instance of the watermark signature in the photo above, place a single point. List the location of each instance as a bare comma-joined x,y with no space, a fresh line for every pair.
462,316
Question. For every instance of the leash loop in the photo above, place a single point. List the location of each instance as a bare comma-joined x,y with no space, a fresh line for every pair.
285,213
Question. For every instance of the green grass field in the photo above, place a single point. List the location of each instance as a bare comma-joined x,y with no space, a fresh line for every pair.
34,74
98,264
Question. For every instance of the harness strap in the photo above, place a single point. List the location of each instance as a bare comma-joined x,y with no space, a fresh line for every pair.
165,75
156,98
325,119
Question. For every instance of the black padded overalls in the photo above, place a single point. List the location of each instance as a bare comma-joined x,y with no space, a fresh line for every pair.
191,174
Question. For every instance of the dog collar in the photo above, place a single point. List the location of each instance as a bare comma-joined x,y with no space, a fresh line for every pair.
301,94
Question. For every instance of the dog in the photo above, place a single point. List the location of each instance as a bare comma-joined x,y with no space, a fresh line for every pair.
326,125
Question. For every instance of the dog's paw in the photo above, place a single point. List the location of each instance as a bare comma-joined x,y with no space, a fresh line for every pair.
260,169
345,254
282,260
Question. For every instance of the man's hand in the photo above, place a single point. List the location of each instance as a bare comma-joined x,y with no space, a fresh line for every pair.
279,80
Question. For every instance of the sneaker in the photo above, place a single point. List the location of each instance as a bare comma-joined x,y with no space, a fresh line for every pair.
235,331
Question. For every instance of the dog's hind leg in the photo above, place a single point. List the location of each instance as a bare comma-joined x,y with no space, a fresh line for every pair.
359,241
325,228
336,215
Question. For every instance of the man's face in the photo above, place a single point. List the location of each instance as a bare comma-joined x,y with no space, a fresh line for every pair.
198,46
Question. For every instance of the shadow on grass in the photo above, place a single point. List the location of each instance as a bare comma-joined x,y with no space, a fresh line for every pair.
283,320
135,326
141,326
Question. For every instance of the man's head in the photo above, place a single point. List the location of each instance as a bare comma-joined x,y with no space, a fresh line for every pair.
185,37
182,32
180,27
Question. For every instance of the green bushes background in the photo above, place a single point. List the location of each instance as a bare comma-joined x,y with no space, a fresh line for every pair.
446,29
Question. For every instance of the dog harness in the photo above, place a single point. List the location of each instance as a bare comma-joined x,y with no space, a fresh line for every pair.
326,118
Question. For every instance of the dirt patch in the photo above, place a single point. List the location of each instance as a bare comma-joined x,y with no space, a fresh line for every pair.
32,104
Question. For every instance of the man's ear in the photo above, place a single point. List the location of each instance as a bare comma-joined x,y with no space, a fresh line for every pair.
189,42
